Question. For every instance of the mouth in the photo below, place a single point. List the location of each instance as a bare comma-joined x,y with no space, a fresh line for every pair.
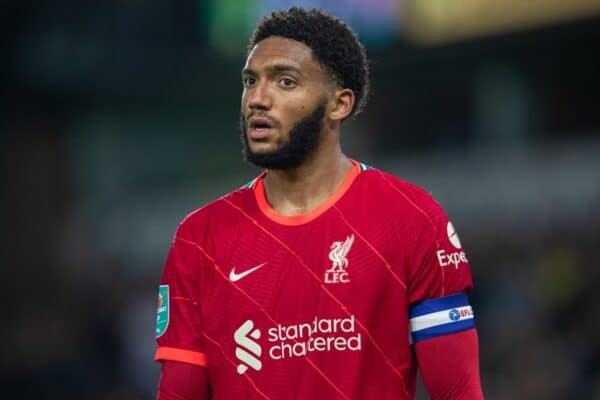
259,127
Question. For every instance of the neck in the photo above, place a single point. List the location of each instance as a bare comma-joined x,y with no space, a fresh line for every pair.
300,190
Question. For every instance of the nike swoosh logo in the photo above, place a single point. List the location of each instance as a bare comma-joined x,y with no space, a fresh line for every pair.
233,277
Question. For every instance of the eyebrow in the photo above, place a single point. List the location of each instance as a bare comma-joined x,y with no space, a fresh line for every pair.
275,69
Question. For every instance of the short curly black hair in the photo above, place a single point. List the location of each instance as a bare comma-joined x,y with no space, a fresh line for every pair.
334,45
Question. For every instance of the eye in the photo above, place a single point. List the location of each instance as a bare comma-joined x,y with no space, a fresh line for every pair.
248,81
287,82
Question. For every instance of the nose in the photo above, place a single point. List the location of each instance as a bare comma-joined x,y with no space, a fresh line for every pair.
258,96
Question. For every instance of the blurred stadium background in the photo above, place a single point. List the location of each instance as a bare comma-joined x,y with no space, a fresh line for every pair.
118,117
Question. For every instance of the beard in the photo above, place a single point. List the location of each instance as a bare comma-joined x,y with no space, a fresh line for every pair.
303,139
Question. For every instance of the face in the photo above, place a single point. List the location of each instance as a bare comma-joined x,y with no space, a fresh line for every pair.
283,103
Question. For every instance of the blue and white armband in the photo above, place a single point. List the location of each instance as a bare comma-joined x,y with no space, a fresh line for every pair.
441,316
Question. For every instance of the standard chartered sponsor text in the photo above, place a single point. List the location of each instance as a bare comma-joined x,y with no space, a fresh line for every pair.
325,334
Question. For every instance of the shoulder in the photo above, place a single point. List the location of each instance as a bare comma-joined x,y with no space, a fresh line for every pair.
405,197
219,212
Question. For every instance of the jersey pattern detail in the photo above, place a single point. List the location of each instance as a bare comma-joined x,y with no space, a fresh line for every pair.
386,264
329,293
262,310
334,302
441,316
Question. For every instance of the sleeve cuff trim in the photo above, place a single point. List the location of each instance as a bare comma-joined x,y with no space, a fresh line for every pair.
186,356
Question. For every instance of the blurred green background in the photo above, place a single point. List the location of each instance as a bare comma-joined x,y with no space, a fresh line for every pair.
118,117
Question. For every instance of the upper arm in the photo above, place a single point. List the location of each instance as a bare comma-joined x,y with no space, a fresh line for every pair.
441,321
179,326
179,333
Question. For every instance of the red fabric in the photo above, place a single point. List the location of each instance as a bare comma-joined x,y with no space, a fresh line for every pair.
183,381
326,313
186,356
450,366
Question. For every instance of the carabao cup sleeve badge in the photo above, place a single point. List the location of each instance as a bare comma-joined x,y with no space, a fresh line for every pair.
162,310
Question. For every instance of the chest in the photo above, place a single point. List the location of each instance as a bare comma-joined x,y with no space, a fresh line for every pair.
294,274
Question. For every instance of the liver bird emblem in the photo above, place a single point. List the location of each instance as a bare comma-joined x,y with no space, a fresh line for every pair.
338,253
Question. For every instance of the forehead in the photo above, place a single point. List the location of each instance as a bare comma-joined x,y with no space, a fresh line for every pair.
277,50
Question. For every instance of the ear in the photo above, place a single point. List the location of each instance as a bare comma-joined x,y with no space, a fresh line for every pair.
342,102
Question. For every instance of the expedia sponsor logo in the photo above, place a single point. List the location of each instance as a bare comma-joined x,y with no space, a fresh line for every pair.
455,259
453,236
444,258
298,340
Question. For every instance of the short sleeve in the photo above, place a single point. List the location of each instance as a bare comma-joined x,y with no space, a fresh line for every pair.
439,263
440,280
178,322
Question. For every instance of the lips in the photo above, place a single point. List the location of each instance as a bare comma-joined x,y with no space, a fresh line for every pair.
259,127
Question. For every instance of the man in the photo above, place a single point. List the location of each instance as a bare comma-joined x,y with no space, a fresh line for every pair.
322,278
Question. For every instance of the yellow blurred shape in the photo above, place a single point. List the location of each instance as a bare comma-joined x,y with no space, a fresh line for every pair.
432,22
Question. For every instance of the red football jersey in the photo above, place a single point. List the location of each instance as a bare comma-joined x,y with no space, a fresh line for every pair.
324,305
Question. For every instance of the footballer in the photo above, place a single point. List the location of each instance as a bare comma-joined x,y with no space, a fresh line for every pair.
322,278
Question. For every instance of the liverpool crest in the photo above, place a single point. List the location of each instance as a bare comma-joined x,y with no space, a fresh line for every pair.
338,273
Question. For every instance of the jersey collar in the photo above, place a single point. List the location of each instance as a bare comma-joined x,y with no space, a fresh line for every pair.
265,207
